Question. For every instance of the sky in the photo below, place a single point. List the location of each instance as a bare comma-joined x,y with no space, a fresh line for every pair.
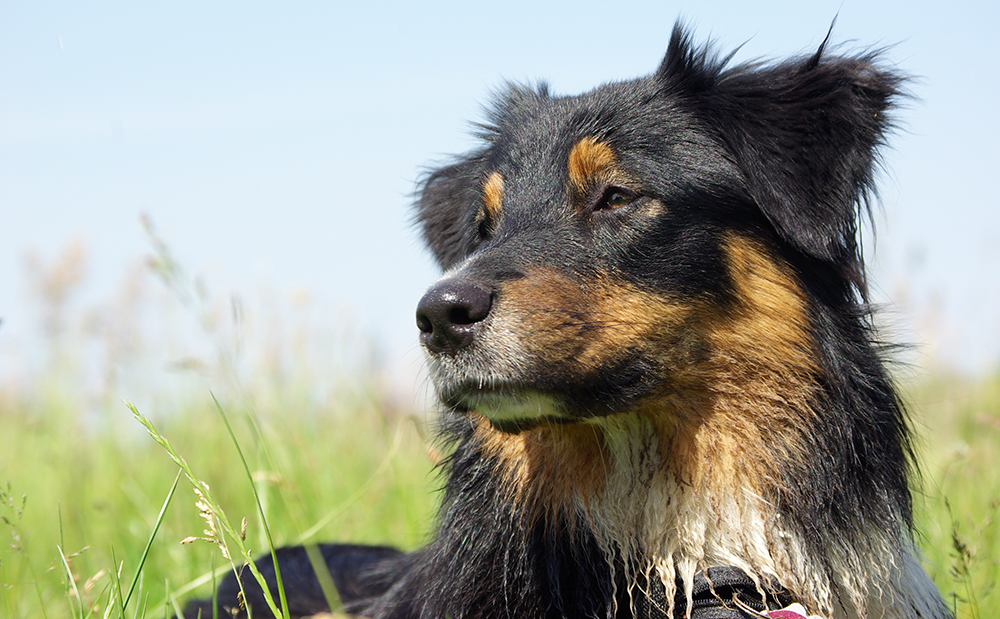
276,146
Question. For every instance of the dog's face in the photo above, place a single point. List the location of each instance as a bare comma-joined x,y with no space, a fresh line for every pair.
612,249
588,270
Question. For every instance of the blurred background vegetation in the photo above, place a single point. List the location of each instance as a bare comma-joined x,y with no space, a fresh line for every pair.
337,451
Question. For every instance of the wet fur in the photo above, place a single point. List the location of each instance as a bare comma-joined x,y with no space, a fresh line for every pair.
675,378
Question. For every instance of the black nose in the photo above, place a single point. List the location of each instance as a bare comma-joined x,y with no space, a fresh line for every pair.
450,312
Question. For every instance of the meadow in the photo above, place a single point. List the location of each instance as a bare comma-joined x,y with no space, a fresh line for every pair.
288,422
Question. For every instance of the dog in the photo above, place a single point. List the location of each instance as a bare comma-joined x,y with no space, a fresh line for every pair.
663,392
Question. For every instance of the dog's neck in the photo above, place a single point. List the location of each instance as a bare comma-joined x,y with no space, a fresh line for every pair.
667,498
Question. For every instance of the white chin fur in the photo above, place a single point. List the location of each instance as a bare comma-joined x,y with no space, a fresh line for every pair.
514,407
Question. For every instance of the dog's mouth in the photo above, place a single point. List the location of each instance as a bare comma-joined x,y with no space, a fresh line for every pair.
508,408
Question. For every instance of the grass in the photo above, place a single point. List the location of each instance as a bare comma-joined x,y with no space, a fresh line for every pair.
958,504
93,518
84,502
93,521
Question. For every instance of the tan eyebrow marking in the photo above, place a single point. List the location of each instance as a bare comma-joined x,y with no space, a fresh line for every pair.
587,158
492,210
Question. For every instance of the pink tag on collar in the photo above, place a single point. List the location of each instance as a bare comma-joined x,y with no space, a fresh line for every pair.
794,611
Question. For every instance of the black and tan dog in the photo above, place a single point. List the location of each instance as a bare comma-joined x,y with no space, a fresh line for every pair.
662,388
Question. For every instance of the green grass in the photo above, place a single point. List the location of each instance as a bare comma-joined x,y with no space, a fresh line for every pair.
89,527
94,493
958,507
91,492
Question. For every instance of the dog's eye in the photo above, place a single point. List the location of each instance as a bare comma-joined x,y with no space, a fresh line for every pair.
615,197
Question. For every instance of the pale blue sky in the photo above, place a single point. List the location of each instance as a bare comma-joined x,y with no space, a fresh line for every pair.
276,144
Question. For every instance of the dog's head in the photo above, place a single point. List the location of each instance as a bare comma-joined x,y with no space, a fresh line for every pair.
626,245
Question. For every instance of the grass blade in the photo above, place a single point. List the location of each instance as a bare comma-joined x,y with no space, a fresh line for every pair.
149,542
116,578
71,582
260,510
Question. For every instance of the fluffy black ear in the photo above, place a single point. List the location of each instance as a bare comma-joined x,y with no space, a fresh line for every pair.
805,134
445,205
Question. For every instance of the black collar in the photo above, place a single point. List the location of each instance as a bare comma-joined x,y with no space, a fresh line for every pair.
719,593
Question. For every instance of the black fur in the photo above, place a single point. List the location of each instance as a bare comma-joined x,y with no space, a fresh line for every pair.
784,155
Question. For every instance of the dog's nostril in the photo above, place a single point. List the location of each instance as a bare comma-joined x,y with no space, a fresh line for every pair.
448,314
460,316
470,313
424,323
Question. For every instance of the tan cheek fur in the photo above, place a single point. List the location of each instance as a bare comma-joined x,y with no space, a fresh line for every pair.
581,326
762,376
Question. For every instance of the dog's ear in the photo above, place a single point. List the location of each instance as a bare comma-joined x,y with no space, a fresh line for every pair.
804,133
445,204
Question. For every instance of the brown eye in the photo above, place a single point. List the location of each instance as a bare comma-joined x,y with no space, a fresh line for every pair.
615,197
